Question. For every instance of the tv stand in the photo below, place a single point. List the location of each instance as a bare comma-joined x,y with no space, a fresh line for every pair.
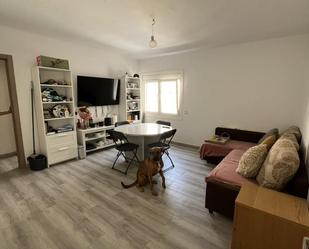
96,137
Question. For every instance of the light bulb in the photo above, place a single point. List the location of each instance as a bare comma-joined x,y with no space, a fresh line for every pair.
152,42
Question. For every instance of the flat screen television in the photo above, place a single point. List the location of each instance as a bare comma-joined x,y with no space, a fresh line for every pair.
94,91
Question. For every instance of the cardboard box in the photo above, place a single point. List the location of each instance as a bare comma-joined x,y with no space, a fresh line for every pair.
46,61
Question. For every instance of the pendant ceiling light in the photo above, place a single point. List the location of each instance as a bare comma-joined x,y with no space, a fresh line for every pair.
153,43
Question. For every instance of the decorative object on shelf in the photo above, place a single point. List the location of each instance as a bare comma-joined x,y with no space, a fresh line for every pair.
152,43
50,95
130,96
65,128
133,116
61,111
132,85
91,123
50,130
56,82
85,115
108,121
47,113
132,106
79,125
67,113
136,75
45,61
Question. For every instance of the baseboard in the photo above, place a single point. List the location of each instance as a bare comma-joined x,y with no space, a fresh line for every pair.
186,145
8,155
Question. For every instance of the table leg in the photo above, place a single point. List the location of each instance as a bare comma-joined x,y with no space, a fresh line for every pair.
149,140
143,150
140,141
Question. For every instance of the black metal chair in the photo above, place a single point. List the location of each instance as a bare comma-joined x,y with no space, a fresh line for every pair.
121,123
116,124
123,146
161,122
164,143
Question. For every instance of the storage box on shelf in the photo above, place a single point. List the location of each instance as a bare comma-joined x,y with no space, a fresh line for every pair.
93,139
130,99
57,128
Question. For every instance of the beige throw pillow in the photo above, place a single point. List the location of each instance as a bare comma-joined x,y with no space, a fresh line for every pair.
280,166
292,138
294,130
271,132
269,141
252,160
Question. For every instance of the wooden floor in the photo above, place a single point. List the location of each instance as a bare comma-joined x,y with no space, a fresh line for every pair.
81,204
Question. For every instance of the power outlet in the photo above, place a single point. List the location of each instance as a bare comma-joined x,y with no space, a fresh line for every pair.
306,243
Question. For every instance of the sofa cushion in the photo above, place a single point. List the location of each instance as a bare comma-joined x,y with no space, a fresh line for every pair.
274,131
269,141
221,150
225,171
280,166
252,160
294,130
291,137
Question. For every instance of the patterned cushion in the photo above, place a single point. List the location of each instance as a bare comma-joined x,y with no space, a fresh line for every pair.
252,160
294,130
280,166
269,141
292,138
271,132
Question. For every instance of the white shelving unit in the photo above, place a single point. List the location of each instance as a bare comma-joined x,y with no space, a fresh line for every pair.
93,139
60,146
130,107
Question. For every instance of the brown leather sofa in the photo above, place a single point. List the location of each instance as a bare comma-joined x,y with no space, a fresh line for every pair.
221,194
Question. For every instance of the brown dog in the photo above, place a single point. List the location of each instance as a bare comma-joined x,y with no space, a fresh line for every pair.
148,168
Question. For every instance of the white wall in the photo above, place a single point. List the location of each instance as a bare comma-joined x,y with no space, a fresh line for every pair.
84,59
256,86
305,115
253,86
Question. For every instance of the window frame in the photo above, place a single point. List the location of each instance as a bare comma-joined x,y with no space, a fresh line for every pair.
165,76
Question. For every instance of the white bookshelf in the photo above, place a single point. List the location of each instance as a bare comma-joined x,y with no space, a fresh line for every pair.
57,147
130,100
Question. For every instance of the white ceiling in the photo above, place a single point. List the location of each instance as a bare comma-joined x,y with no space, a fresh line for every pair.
181,24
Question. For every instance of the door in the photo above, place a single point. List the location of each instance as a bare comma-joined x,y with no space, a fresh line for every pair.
10,130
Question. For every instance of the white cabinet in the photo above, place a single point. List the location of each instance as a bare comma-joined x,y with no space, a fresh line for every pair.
56,131
94,139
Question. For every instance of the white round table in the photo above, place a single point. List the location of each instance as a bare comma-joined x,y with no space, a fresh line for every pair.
143,134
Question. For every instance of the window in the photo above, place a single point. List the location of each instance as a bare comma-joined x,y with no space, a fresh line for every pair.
162,94
152,96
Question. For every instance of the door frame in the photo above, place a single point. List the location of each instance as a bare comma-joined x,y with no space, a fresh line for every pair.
8,59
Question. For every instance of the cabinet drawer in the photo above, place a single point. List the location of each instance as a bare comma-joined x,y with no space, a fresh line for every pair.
61,139
62,153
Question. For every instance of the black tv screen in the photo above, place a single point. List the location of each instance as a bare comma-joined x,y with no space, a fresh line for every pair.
94,91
